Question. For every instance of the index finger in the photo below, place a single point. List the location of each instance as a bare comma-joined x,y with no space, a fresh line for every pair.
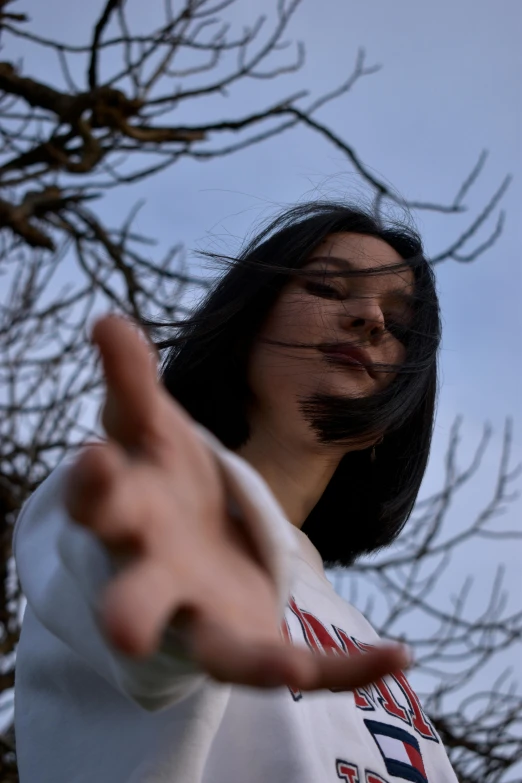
231,659
342,672
130,375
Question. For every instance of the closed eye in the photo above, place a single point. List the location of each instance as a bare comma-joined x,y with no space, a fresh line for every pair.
323,290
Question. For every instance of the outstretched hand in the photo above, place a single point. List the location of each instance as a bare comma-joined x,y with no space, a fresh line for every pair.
153,492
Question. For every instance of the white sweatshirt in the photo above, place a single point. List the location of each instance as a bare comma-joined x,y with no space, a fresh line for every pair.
86,714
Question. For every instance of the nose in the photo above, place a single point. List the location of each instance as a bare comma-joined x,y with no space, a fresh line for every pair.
363,316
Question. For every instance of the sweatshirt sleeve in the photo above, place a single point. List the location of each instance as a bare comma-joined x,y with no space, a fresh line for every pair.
63,569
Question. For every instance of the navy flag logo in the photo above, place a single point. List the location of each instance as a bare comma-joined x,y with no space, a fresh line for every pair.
400,751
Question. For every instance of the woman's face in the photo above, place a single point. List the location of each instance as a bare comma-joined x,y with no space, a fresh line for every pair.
353,321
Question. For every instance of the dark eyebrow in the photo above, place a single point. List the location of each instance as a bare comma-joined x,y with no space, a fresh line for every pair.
398,294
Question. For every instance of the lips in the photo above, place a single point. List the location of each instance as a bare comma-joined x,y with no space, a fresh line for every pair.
348,354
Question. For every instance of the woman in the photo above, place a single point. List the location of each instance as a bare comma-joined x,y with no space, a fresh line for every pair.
179,625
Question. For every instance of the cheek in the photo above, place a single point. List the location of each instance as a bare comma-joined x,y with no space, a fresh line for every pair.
287,317
268,376
275,371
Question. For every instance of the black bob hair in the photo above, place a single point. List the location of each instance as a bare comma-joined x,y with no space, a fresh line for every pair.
367,502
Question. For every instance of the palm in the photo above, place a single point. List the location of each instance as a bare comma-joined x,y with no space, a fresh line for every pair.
153,491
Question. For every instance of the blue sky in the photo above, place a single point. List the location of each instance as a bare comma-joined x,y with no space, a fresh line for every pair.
449,87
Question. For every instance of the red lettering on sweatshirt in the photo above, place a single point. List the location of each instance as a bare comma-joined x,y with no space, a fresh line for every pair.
347,771
315,633
319,639
418,716
385,697
372,777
